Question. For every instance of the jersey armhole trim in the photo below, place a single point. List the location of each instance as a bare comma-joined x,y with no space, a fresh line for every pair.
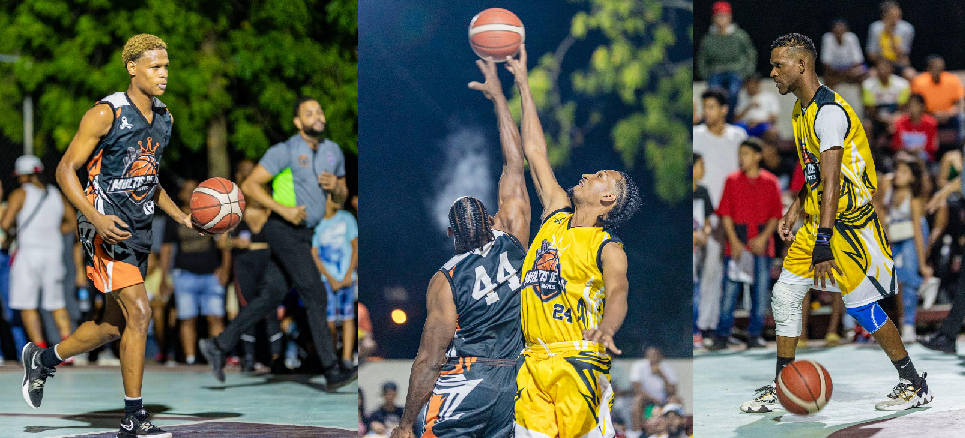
113,118
562,210
815,127
514,239
599,251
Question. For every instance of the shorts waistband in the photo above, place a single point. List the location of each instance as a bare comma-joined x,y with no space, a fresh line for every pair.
481,360
548,350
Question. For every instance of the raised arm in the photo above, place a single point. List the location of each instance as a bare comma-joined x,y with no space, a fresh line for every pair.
436,336
551,195
513,215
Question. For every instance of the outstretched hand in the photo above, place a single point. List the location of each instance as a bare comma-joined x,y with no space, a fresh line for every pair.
517,66
492,87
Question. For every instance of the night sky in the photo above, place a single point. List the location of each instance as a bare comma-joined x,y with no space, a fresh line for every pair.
418,120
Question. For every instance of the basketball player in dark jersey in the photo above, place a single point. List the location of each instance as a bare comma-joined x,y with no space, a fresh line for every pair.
120,141
465,384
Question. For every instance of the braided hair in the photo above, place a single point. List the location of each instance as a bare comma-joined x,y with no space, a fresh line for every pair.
470,224
627,203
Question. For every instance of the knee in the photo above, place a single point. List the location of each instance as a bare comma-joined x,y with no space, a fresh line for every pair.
139,315
786,308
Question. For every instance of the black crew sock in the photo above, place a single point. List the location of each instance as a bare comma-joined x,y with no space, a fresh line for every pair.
906,369
48,357
132,405
781,363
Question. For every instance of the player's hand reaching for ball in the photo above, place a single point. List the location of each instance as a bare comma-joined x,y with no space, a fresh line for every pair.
517,66
295,214
602,336
492,88
110,228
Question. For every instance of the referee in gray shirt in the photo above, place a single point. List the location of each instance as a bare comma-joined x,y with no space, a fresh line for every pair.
302,170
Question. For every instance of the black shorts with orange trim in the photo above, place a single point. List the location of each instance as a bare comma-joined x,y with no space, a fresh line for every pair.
473,397
110,267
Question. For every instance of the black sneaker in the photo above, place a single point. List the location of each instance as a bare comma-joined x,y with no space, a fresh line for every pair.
938,341
248,364
336,378
215,357
137,425
720,343
35,375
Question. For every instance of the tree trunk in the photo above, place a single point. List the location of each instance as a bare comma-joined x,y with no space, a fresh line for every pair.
218,163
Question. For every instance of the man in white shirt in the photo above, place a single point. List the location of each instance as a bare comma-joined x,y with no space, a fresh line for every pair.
883,96
758,109
718,142
841,55
653,378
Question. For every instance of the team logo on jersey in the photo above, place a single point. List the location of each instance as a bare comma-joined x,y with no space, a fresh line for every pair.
140,176
303,160
545,276
812,171
124,124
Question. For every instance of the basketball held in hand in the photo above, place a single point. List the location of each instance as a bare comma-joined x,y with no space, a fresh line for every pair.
217,206
496,33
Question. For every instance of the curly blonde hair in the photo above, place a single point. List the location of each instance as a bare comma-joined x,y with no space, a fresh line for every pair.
138,44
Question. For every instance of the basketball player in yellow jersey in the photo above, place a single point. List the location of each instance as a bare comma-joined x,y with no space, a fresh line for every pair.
572,268
842,246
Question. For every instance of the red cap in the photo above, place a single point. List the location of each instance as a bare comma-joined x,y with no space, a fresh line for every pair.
721,8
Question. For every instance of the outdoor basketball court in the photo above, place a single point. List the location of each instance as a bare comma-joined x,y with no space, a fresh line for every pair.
862,376
184,400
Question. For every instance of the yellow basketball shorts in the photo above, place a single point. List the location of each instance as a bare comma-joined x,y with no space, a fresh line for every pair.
861,250
563,390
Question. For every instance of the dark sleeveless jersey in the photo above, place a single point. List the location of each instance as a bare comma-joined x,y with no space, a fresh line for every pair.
485,287
122,170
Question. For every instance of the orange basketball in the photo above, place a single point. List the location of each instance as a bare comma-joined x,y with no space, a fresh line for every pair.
546,262
217,205
804,387
496,32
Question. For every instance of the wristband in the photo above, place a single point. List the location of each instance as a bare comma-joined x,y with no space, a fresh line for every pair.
822,247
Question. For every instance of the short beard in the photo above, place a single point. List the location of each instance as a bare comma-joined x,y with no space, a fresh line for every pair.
311,132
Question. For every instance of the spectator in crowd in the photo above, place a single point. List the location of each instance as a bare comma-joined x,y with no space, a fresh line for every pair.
841,55
366,338
943,94
255,274
749,210
652,378
945,338
703,210
200,273
717,141
890,38
785,167
37,215
916,132
758,109
883,95
335,250
907,229
388,414
726,55
673,413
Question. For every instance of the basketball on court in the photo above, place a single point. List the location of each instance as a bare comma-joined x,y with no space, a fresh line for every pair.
496,32
804,387
217,205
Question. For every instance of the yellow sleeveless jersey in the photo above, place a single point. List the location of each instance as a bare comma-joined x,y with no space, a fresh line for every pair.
858,180
562,281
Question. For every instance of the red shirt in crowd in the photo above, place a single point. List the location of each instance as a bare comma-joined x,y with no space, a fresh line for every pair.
750,203
916,137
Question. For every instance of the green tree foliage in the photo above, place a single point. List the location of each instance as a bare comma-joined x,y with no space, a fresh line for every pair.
236,67
628,76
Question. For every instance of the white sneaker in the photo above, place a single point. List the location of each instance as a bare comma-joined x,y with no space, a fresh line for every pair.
908,334
765,401
906,396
